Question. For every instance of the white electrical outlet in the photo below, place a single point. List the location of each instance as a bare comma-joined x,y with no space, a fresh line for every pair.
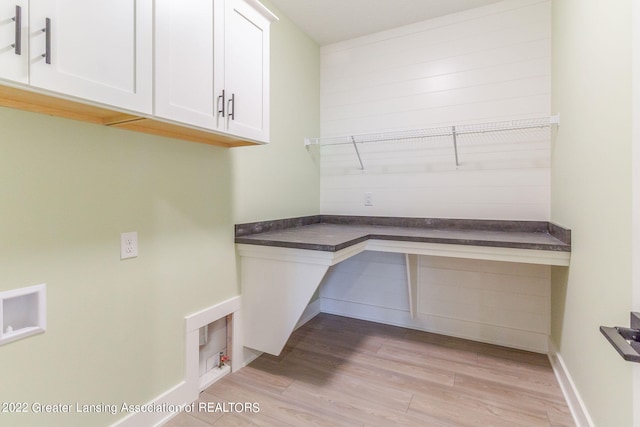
368,198
128,245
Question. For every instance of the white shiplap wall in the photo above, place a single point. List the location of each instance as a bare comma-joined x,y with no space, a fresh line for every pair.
497,302
482,65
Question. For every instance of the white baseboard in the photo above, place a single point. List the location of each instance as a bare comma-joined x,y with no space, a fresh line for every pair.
312,310
250,355
171,402
578,410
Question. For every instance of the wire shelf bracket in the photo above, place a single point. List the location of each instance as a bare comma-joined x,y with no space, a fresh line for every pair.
445,131
355,146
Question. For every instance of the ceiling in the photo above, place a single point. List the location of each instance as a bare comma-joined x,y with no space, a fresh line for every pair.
330,21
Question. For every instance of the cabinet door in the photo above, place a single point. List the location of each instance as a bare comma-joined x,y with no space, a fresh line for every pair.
94,50
14,45
188,73
247,70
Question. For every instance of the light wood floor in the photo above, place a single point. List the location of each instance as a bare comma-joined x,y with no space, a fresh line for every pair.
337,371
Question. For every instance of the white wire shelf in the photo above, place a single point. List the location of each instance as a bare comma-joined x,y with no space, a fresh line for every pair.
435,132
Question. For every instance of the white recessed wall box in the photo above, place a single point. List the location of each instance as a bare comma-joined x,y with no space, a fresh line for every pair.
23,312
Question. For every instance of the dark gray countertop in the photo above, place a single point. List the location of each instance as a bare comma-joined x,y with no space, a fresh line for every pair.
333,233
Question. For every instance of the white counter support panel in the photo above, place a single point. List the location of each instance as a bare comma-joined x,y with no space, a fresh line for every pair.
278,283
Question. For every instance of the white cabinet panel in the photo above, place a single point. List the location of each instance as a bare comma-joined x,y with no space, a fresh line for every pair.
212,65
247,70
188,62
14,45
99,51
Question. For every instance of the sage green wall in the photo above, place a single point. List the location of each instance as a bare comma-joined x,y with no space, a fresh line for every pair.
282,179
591,194
68,189
115,328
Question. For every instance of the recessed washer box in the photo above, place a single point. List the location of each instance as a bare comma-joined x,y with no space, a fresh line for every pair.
23,312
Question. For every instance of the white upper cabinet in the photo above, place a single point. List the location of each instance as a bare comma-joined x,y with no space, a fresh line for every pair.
100,51
188,61
212,65
247,68
192,69
14,44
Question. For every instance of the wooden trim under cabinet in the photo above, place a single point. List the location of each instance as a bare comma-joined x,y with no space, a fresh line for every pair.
59,107
170,130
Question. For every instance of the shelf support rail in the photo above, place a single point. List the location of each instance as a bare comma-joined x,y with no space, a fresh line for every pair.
353,140
455,144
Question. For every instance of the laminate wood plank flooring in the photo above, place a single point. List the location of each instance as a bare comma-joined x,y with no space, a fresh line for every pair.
337,371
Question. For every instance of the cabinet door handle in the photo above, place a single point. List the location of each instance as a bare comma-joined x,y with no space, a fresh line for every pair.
232,108
221,98
47,32
17,46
